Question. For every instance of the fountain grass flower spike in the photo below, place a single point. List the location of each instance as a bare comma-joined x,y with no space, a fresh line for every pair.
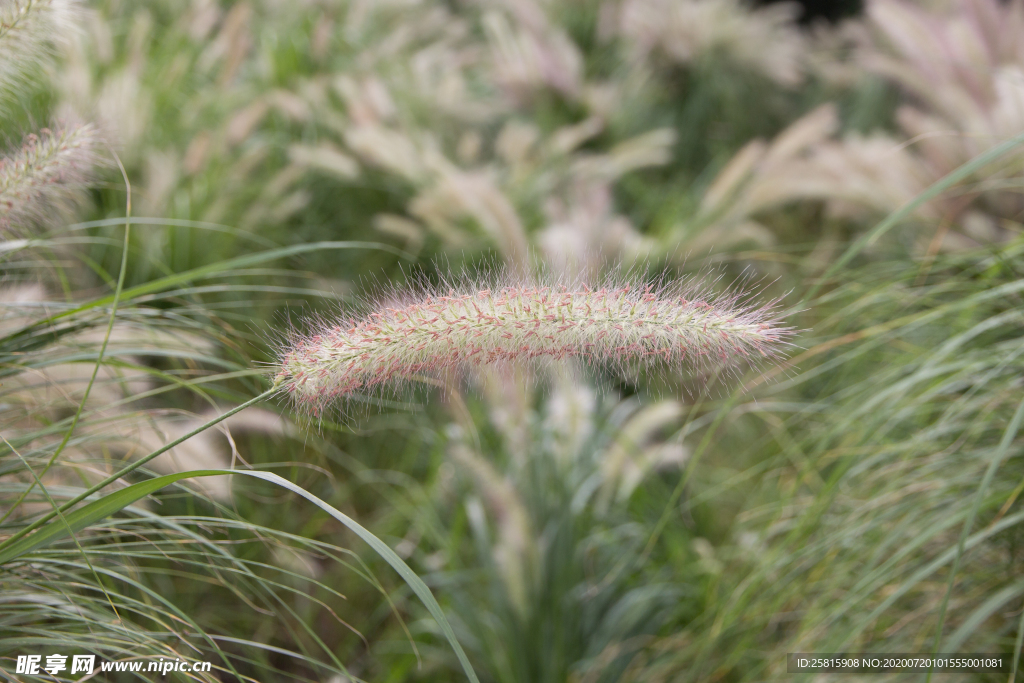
46,176
424,333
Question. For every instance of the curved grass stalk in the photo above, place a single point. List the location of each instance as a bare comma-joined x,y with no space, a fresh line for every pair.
131,468
116,501
997,459
200,273
103,346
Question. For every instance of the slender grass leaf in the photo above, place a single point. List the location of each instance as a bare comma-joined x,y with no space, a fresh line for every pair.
116,501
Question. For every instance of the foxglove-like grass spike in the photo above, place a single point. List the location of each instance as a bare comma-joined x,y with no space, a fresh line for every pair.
677,325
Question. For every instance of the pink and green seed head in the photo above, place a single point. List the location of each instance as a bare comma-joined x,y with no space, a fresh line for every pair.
623,325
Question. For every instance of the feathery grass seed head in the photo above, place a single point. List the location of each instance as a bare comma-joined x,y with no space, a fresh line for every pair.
45,176
423,333
28,29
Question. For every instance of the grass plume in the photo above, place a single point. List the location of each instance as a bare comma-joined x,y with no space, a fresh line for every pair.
679,324
44,176
27,28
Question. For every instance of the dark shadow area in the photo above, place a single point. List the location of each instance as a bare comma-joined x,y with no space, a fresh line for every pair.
830,10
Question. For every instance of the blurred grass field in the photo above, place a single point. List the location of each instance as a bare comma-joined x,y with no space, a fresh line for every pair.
286,159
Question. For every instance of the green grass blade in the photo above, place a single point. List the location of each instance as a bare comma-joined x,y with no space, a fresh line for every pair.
977,618
16,538
210,270
997,459
118,500
1017,647
118,289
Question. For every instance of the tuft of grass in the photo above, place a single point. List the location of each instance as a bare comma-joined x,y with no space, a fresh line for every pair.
881,510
